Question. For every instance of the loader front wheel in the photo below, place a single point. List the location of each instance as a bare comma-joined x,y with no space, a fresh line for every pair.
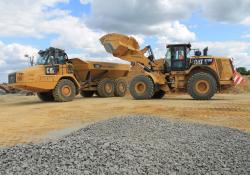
64,91
45,96
202,86
141,87
120,88
87,93
106,88
158,94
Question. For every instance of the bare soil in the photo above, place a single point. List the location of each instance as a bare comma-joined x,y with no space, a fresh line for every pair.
26,119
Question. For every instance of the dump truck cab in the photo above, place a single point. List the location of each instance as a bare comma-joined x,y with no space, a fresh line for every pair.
52,65
52,78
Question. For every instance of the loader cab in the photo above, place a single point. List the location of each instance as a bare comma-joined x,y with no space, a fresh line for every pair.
177,57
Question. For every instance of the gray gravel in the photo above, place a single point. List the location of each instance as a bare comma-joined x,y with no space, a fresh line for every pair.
135,145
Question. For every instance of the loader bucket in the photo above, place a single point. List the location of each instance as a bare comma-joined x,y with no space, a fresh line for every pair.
118,45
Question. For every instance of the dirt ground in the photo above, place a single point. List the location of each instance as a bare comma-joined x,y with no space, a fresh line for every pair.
26,119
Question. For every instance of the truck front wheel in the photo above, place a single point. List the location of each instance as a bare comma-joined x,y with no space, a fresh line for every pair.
64,91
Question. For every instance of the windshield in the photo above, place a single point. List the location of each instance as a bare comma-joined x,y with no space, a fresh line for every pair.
40,60
168,57
188,53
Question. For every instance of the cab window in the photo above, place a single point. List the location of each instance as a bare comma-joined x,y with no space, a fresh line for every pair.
179,53
61,60
41,60
168,57
50,60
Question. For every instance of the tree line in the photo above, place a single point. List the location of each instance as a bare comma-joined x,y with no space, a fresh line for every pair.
243,71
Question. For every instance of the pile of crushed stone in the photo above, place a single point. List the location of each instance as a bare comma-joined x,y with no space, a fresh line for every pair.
135,145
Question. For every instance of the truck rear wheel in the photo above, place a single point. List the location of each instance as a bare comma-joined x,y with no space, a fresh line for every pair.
45,96
106,88
87,93
64,91
141,87
120,88
202,86
158,94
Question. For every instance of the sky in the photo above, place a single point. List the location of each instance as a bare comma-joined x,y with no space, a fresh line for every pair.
28,26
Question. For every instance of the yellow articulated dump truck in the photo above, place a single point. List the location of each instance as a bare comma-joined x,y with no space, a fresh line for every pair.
55,77
182,70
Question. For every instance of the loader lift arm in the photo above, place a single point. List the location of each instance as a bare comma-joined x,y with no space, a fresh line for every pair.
128,49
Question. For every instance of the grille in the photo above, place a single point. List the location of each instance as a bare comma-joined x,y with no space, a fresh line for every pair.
12,78
219,66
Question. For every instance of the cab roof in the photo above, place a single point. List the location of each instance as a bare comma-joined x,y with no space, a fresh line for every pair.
178,45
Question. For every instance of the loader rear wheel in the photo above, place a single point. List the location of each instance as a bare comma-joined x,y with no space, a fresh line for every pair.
158,94
141,87
64,91
87,93
45,96
120,88
202,86
106,88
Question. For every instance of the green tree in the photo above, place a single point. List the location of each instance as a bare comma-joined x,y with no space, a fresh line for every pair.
242,70
248,72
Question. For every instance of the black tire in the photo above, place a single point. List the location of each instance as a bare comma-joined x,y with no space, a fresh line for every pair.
120,88
98,95
202,86
141,87
106,88
87,93
158,94
45,96
60,95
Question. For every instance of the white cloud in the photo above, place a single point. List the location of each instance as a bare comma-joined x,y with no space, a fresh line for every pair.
12,58
84,2
159,17
231,11
40,18
245,36
246,21
23,18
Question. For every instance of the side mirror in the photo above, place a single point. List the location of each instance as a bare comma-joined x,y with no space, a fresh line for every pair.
205,51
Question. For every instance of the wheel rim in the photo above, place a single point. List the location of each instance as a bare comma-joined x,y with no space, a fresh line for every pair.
202,86
66,90
108,87
121,87
140,87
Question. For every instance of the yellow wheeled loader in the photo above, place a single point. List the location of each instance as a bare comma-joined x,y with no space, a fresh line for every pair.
182,70
57,78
